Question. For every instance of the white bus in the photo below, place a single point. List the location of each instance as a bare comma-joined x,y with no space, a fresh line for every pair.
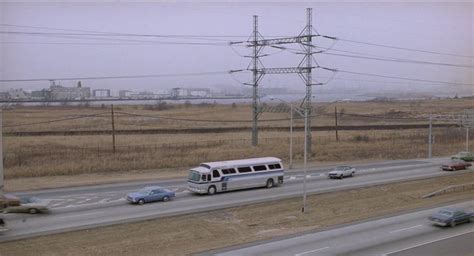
212,177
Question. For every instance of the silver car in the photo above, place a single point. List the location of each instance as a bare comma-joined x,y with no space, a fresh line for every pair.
29,205
342,171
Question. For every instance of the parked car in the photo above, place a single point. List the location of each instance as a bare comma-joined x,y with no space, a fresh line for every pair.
455,165
465,156
341,172
451,217
150,194
31,205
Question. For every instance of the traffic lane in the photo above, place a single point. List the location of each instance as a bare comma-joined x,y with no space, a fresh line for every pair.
102,199
129,186
381,165
106,199
456,245
29,225
319,182
375,237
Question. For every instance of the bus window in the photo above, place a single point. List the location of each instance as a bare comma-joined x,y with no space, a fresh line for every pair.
260,168
244,169
204,177
228,171
274,166
215,174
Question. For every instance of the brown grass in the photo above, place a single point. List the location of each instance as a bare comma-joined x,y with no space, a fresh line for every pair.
183,235
71,155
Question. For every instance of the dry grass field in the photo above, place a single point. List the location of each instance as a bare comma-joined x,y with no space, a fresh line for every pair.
192,233
38,156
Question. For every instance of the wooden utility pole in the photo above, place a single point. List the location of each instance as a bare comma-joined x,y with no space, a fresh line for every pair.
1,152
335,118
113,129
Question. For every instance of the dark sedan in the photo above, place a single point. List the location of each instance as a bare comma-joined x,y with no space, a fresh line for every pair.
455,165
3,227
451,217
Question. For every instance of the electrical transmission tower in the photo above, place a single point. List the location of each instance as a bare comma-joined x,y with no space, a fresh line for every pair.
304,69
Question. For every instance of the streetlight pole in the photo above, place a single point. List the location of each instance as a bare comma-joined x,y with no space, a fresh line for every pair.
305,158
303,113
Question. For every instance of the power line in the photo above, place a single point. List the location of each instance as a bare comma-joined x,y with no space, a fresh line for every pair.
403,48
376,57
401,78
121,77
56,120
400,60
88,37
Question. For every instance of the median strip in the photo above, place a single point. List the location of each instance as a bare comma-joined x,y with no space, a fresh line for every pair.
193,233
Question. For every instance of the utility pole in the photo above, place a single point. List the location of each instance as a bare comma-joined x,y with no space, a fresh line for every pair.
255,82
1,152
304,69
335,118
467,138
430,137
291,138
113,129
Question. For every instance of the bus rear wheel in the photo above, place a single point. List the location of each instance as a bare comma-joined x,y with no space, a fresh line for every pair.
211,190
270,183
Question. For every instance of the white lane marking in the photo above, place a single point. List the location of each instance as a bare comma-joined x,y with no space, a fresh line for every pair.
403,229
316,250
78,215
429,242
292,177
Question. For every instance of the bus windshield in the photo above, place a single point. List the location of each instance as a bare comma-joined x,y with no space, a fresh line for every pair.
194,176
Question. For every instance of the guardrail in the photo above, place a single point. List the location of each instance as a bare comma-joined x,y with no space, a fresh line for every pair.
451,188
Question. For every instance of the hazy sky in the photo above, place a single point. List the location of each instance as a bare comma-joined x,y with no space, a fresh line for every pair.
438,27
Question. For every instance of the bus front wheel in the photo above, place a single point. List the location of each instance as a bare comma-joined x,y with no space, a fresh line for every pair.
211,190
269,183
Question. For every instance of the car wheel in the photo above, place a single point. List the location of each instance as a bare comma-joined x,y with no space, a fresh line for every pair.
341,177
352,174
33,210
141,202
452,224
166,199
211,190
269,183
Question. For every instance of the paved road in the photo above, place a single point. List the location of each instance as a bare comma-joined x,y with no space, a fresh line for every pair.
85,207
104,195
407,234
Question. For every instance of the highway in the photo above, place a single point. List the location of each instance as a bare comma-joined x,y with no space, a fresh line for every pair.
93,206
407,234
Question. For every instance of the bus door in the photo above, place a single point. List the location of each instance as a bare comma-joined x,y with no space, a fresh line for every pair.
216,178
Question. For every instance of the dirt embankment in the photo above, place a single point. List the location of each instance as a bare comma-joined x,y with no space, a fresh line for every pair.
183,235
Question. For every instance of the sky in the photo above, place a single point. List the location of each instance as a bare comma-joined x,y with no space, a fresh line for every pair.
40,40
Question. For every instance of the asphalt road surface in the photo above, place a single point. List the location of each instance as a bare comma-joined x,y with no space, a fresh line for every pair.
93,206
407,234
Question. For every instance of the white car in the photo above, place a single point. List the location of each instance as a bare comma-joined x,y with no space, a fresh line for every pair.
341,172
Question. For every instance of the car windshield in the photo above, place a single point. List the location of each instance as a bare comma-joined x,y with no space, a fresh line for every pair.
446,212
194,176
144,191
28,200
